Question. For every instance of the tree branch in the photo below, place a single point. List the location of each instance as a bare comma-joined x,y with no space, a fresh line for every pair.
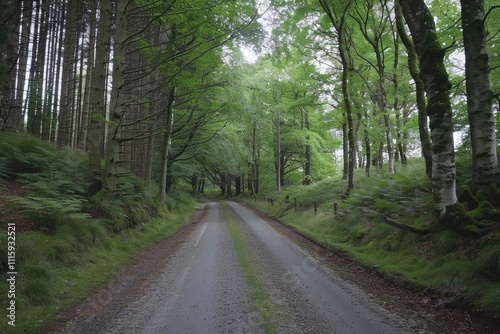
409,228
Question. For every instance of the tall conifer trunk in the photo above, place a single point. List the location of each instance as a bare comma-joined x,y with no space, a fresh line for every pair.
98,89
117,103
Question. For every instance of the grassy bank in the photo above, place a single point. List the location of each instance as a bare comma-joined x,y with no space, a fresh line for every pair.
442,259
65,239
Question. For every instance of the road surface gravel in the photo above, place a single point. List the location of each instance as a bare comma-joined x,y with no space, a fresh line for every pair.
194,282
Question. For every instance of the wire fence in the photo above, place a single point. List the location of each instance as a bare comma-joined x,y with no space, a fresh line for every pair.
299,205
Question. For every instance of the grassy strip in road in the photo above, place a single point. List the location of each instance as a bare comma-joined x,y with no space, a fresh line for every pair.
259,295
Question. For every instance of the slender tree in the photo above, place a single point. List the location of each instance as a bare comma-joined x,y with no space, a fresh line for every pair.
66,117
98,88
425,142
374,28
118,103
167,142
9,21
436,84
91,9
337,14
485,171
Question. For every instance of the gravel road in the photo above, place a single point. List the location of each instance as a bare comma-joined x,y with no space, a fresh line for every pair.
198,282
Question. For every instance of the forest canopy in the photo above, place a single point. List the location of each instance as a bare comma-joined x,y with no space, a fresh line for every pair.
250,93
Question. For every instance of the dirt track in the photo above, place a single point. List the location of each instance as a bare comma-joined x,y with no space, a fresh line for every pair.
194,283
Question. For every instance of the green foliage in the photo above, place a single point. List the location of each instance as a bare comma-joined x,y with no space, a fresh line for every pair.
55,181
135,205
71,248
405,193
488,263
50,213
445,242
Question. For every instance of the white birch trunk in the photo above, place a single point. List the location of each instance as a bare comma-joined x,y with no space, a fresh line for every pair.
479,97
435,78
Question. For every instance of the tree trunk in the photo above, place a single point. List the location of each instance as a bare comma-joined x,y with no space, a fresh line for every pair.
9,46
33,84
60,52
117,104
170,180
435,78
338,20
256,180
194,184
98,89
348,109
84,131
373,28
390,147
229,181
307,171
479,97
15,120
237,183
345,148
66,112
395,83
223,184
279,164
167,138
201,186
368,148
148,168
423,130
50,71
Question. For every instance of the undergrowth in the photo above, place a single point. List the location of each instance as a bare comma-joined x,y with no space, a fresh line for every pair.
443,259
69,241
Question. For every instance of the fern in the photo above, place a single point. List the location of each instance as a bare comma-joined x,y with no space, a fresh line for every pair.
50,212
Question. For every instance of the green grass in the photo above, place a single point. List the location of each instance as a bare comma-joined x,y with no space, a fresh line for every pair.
442,259
259,295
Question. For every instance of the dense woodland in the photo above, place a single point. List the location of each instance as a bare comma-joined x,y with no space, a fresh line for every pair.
247,93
